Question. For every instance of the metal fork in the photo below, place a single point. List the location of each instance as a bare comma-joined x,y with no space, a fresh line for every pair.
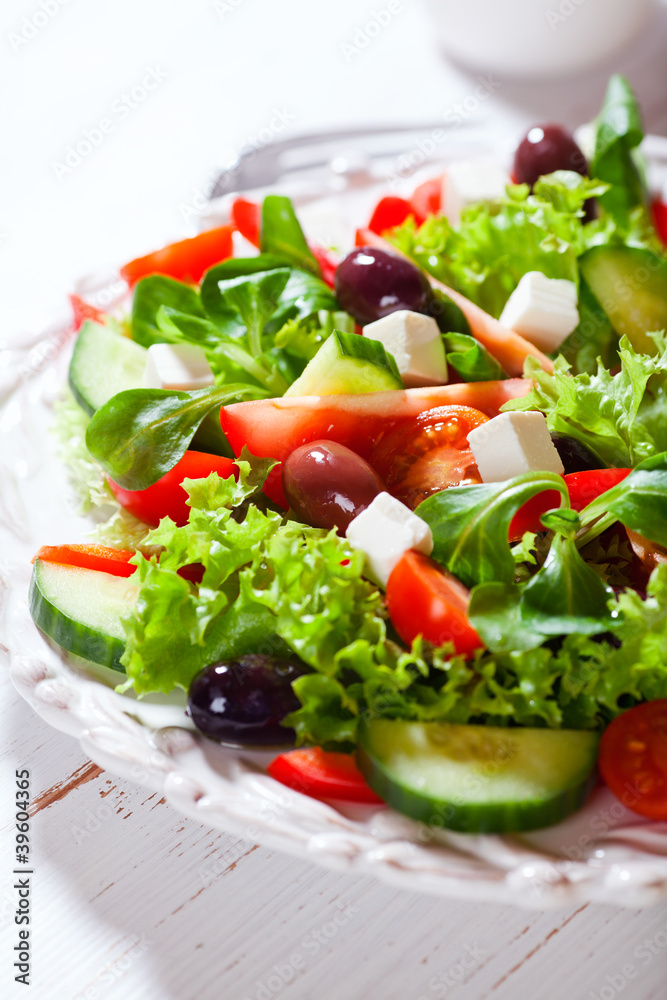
257,167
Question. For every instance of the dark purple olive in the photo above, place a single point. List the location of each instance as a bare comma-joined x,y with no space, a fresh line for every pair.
243,701
547,148
327,484
371,283
575,456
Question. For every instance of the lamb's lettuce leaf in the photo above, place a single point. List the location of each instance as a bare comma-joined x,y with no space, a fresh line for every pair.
470,525
470,360
618,133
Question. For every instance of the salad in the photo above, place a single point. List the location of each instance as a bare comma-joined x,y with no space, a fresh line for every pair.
404,507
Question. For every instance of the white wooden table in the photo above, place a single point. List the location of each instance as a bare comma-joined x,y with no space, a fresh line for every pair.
131,900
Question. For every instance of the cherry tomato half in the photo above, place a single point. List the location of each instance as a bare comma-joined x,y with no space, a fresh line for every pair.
423,599
633,758
186,260
583,487
322,774
166,497
428,454
426,199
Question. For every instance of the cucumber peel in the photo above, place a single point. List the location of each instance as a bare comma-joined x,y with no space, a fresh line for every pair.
82,610
630,283
478,779
347,363
104,363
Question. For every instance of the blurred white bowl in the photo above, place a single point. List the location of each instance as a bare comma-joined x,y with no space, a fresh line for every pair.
538,38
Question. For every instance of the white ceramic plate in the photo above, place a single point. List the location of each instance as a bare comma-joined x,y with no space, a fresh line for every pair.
603,853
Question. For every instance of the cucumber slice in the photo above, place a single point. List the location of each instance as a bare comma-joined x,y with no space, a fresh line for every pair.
630,284
478,779
81,609
347,363
104,363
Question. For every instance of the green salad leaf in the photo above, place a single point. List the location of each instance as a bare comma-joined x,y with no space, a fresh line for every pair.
565,596
282,235
472,361
140,434
153,293
618,132
619,416
496,244
639,502
470,525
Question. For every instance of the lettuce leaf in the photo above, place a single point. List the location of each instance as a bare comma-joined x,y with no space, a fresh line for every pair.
276,586
620,416
496,244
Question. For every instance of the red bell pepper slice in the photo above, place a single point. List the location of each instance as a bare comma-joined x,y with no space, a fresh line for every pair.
389,213
82,311
328,262
97,557
247,217
659,213
186,260
583,487
322,775
166,497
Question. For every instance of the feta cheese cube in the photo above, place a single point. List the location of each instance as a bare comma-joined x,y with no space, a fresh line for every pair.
467,182
543,310
416,344
514,443
177,366
384,531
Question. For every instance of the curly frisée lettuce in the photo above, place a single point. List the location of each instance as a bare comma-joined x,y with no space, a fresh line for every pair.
619,416
273,585
496,244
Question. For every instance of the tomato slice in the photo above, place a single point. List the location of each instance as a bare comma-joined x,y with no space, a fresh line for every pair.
633,758
427,199
423,599
273,428
167,498
428,454
186,260
322,775
247,217
97,557
82,311
583,487
389,212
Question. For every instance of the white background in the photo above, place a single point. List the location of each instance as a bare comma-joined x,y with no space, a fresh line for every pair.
131,900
